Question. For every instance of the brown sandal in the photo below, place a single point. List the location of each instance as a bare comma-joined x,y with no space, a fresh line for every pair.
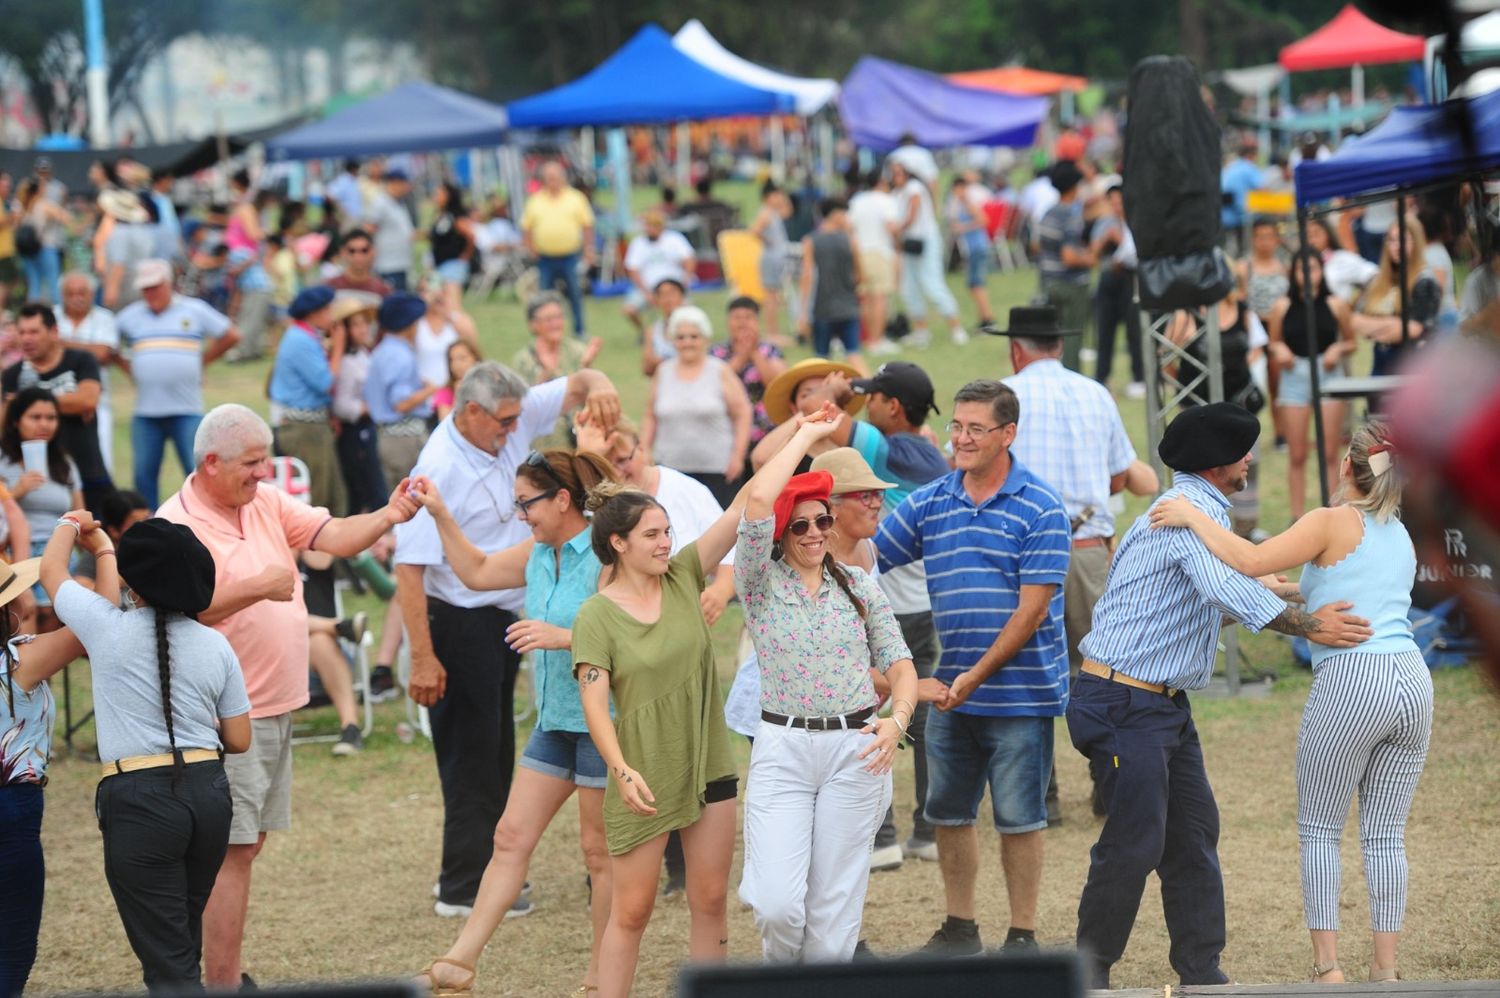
428,983
1380,974
1323,969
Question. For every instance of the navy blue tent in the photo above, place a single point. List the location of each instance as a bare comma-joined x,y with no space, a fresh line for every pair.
648,81
1411,147
414,117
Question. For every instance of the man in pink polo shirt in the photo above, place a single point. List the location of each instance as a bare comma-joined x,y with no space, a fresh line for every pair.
254,531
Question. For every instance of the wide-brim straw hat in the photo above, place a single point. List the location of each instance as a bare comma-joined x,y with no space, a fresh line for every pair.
349,303
778,397
850,471
16,579
123,206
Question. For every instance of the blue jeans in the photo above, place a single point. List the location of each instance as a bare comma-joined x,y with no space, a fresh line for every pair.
24,876
148,445
825,331
549,269
42,272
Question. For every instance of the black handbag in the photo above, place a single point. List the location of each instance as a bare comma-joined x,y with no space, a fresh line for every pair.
912,247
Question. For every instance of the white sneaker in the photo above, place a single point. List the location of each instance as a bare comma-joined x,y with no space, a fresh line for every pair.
443,909
916,848
1087,355
1136,390
882,348
886,857
918,338
960,336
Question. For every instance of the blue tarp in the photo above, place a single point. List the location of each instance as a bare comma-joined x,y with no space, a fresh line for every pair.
1412,146
881,101
648,81
414,117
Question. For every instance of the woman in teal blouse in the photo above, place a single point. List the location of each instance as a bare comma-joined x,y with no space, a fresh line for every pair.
559,571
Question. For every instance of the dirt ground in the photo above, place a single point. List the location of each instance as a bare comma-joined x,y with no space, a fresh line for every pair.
346,892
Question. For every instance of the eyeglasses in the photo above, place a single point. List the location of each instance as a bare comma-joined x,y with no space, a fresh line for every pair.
869,497
823,521
523,506
537,461
973,430
687,336
507,424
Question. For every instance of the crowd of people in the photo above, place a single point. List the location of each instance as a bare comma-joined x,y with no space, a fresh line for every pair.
901,598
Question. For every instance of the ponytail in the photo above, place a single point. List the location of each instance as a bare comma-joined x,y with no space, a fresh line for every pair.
164,669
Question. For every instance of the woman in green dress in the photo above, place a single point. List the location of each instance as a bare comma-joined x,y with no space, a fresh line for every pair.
643,639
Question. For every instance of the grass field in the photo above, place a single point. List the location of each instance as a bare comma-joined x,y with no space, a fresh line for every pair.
345,892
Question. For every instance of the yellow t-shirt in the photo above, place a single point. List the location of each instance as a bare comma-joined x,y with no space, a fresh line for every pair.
556,223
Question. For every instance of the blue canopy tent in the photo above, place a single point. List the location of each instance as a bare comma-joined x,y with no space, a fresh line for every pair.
1413,146
881,101
414,117
649,81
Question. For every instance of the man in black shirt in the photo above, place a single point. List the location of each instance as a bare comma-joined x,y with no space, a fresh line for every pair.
73,377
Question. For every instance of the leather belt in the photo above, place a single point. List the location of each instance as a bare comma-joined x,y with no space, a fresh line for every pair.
837,722
1090,542
134,763
1105,672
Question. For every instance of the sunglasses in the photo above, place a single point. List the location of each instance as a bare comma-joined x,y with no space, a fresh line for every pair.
523,506
799,527
538,462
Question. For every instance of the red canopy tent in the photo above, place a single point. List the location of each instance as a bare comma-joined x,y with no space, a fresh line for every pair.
1351,39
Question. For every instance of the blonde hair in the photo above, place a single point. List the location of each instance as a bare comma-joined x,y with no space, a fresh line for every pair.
1380,494
1416,246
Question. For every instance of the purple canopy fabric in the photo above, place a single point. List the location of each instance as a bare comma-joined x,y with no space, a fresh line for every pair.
881,101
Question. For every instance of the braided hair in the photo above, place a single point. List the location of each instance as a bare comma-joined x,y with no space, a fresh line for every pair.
842,578
164,669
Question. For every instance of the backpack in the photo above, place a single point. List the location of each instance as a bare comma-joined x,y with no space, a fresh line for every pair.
28,243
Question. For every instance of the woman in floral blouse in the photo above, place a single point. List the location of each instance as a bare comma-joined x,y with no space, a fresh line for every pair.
820,772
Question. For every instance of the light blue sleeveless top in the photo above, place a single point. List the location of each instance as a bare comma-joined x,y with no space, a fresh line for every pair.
1377,578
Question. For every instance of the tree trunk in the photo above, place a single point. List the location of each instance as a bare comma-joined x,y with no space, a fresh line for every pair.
1190,30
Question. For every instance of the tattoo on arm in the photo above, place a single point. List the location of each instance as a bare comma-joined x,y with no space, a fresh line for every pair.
1296,622
591,676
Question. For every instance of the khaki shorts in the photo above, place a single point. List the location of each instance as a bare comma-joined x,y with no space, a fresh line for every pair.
877,272
260,781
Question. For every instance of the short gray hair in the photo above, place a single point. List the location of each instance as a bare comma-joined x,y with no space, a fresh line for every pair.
1043,346
228,431
79,275
537,302
487,384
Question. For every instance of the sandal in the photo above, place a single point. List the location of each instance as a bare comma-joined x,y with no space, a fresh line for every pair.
428,983
1324,969
584,989
1379,974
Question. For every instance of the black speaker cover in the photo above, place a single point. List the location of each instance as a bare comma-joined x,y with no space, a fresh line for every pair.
1172,196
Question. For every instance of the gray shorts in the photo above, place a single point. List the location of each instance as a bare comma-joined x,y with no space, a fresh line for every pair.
260,781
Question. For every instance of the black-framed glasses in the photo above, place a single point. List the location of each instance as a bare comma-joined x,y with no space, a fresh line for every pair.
523,506
507,424
973,430
823,521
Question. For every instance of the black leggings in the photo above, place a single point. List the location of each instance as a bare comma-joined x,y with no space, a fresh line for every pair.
162,849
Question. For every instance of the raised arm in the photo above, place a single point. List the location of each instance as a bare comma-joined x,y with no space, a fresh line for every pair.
505,569
590,389
1300,543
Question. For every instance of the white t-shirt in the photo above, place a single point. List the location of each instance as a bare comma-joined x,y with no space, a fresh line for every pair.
1037,198
691,508
658,259
925,225
432,351
871,214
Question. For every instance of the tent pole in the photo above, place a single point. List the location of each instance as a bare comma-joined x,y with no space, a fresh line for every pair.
825,145
586,151
1401,264
778,150
684,156
1314,358
1263,112
619,162
1357,86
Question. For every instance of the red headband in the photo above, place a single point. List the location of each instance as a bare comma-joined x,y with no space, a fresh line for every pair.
815,486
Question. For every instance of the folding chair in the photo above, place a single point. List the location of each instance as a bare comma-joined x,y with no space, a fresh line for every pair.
739,255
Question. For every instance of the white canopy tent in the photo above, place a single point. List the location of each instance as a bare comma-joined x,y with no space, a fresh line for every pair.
1479,42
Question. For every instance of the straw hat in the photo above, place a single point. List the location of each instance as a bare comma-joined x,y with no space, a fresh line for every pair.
850,471
123,206
778,397
16,579
347,303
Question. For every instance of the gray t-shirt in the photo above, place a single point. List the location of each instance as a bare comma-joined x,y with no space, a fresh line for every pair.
1061,226
393,234
166,353
206,679
45,503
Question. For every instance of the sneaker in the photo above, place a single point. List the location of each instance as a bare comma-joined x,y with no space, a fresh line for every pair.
882,348
352,629
351,741
960,336
949,941
383,684
1022,944
1135,391
886,857
916,848
443,909
521,908
918,339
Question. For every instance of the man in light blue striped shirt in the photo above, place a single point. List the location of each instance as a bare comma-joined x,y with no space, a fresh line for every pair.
994,540
1155,635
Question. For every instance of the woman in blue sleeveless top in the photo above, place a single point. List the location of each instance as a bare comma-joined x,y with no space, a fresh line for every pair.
1369,713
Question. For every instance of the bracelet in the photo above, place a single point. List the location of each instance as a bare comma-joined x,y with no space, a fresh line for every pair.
101,554
77,527
908,703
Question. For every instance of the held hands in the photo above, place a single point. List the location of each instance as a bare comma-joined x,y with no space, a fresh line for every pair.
91,536
882,751
964,684
634,792
591,436
429,680
532,635
603,407
819,424
403,504
1177,512
1340,629
426,495
933,691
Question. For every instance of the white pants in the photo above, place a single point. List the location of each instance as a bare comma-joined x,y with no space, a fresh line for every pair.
922,281
811,814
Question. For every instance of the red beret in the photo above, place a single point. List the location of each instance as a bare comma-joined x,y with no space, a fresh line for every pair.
813,486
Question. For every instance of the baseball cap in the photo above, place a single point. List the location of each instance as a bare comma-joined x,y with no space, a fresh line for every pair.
903,381
150,273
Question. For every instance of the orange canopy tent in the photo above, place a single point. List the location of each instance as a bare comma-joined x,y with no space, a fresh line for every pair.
1020,80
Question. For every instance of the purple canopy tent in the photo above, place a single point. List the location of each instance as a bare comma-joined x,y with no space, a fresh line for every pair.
881,101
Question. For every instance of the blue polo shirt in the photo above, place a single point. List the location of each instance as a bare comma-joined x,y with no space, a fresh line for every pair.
393,377
977,559
300,375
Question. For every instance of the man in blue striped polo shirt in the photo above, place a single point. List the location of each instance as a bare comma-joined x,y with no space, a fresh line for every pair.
995,541
1155,635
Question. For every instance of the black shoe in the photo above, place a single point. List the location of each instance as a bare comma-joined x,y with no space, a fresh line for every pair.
382,684
1022,944
951,941
1054,812
989,326
352,629
673,886
863,952
351,741
247,983
318,699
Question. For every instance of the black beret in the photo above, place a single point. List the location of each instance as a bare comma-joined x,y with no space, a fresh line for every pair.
168,565
1208,436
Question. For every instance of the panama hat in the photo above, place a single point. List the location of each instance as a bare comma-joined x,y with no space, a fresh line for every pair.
778,397
16,579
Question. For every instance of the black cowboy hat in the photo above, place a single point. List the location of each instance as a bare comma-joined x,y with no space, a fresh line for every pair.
1034,322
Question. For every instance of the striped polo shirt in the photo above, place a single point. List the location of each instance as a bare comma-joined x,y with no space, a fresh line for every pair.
977,559
166,353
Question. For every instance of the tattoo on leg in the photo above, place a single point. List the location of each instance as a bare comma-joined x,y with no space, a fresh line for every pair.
1296,622
723,942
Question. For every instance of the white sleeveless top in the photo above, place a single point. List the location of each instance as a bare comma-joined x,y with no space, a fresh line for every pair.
432,351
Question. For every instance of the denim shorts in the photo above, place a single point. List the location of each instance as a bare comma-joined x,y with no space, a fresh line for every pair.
566,755
1295,387
845,331
976,266
455,271
1012,755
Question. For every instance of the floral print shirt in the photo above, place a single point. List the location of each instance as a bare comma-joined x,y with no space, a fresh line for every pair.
815,651
749,375
25,724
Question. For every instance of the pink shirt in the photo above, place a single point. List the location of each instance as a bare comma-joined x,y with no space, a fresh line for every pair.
270,638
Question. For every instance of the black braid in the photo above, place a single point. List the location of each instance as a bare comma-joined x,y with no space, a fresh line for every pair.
164,668
842,578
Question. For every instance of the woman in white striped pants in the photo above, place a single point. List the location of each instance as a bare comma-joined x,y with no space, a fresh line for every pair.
1369,714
